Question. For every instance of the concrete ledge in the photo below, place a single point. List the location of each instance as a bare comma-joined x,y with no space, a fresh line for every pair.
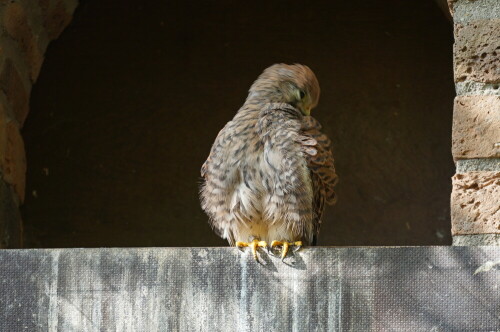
221,289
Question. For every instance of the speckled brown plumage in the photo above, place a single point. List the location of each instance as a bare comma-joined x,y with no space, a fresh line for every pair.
270,170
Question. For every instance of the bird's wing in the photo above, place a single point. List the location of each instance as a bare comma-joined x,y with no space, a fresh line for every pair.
215,184
316,146
279,129
216,147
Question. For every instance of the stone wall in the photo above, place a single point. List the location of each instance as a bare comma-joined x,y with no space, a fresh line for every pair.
27,27
157,80
475,199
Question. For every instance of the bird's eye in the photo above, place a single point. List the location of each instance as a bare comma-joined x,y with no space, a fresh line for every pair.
302,94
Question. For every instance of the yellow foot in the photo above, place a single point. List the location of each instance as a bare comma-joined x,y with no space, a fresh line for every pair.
285,246
254,244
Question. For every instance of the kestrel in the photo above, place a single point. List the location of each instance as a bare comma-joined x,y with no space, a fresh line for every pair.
270,170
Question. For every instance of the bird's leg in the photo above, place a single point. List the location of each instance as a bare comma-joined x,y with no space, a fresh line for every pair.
285,246
253,245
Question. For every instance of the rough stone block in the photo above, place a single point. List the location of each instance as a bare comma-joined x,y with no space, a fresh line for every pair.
17,26
445,7
3,132
13,87
476,127
57,18
451,6
477,51
475,203
44,6
14,160
10,219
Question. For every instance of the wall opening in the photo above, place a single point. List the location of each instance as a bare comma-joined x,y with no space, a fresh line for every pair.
132,95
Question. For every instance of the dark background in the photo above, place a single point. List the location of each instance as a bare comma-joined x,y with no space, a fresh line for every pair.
132,95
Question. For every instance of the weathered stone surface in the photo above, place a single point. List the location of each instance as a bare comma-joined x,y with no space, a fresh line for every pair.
221,289
57,19
109,145
10,219
445,7
473,10
477,240
3,133
476,127
478,165
14,160
17,26
44,6
477,51
475,203
13,87
451,5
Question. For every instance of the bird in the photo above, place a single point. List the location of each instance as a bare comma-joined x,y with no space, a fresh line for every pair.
270,170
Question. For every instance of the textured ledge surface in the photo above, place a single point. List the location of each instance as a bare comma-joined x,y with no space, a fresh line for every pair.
221,289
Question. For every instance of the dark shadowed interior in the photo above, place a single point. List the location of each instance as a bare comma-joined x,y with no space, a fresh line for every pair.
133,93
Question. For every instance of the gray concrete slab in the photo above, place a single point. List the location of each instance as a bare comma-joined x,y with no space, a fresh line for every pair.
221,289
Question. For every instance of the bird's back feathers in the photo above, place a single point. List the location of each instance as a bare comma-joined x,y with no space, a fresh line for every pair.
269,165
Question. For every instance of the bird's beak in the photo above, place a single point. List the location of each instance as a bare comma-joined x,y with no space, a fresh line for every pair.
307,111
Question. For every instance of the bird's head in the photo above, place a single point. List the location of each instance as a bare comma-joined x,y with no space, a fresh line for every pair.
292,84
